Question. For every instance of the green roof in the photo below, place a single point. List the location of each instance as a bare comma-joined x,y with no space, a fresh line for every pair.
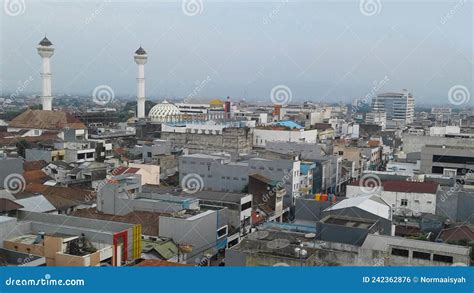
167,249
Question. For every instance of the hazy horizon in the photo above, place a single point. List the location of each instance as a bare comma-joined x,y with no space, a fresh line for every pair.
323,51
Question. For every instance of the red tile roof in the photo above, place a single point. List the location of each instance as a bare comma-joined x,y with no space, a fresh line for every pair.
148,220
124,170
406,186
34,165
36,176
55,120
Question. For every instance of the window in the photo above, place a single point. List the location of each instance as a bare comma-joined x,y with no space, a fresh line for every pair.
421,255
148,154
222,177
235,178
246,206
442,258
404,202
222,232
400,252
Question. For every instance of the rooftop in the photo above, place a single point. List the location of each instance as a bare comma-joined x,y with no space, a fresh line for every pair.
140,51
45,42
7,205
160,263
148,220
40,119
406,186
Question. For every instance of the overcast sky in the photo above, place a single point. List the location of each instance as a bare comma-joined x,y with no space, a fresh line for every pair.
323,51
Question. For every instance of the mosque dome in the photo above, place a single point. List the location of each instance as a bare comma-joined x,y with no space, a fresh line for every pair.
216,102
163,111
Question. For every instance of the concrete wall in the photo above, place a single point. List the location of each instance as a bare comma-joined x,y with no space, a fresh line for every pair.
10,166
11,228
233,140
456,204
36,155
200,232
262,136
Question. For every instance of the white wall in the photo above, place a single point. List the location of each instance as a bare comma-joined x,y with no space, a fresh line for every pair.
262,136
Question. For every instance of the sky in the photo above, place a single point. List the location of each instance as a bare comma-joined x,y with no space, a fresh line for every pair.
327,51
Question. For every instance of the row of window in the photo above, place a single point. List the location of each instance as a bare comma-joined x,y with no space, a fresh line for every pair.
404,202
422,255
295,173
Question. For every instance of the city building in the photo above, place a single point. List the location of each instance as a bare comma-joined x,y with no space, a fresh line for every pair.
397,106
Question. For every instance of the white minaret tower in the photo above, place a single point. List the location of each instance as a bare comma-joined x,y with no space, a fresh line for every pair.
141,58
46,50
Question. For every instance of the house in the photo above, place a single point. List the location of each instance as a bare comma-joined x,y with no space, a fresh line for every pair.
150,174
351,220
405,197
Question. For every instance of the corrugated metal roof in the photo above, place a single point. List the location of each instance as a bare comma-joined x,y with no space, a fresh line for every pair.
370,203
37,203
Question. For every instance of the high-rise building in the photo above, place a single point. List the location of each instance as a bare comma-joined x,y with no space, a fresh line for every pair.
397,106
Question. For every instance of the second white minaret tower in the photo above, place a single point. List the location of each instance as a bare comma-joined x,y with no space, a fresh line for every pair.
46,50
141,58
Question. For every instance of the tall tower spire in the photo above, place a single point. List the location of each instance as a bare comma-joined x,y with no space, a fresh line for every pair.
141,58
46,50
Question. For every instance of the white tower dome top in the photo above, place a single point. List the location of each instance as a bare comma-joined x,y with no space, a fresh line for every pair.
162,111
